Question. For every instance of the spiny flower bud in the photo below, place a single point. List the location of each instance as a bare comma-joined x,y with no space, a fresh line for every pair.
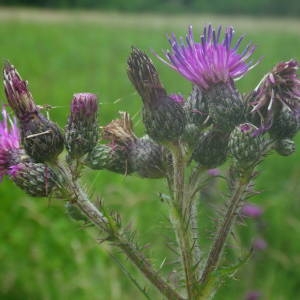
82,130
36,179
285,125
285,147
225,106
112,157
41,138
196,108
244,145
211,149
163,116
147,158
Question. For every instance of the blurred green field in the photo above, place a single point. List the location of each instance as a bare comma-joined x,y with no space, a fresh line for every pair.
43,254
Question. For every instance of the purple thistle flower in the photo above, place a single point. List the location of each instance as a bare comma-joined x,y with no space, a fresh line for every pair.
251,211
278,89
9,141
211,60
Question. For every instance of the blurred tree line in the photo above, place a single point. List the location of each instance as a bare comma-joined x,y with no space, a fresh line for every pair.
256,7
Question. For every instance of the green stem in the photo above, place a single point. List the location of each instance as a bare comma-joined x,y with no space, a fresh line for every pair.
80,198
223,232
181,214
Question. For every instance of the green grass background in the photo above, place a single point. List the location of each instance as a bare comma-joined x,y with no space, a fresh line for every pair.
43,254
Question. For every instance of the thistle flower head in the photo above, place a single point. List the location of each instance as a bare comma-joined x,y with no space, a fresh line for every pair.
163,116
245,145
211,60
17,92
279,88
144,76
82,130
41,138
112,157
9,141
36,179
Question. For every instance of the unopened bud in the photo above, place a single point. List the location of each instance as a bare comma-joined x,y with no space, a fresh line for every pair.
82,131
211,149
147,158
225,106
285,125
244,145
112,157
41,138
163,116
196,108
285,147
36,179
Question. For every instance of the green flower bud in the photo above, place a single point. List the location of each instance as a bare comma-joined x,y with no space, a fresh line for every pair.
225,106
112,157
285,147
196,107
211,149
147,158
163,116
285,125
36,179
244,145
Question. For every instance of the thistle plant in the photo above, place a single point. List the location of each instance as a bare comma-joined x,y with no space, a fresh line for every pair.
184,141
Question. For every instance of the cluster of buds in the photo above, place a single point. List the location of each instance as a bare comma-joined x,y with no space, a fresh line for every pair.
125,153
214,122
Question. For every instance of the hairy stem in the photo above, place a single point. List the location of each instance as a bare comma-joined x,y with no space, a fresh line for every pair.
224,230
108,225
181,213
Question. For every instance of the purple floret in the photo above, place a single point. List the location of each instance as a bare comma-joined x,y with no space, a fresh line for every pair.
84,105
211,60
9,141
